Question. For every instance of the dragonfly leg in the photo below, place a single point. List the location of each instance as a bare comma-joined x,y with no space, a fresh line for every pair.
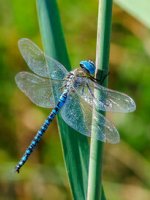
102,74
90,90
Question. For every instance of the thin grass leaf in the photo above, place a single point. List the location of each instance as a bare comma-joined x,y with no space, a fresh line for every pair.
75,146
102,63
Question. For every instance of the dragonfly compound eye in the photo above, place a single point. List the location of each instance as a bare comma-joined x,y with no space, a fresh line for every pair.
88,66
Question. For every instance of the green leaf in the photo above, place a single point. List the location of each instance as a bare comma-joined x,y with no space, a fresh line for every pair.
138,9
75,146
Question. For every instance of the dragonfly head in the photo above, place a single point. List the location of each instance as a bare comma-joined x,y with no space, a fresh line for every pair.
88,66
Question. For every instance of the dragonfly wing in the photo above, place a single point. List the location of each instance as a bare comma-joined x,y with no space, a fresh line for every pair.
38,62
77,113
104,99
39,90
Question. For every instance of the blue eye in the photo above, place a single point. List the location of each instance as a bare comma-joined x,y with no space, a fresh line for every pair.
88,66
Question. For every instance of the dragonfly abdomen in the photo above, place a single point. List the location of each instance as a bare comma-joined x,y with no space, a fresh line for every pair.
42,130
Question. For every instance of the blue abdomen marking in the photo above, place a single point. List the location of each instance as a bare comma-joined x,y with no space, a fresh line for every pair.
41,131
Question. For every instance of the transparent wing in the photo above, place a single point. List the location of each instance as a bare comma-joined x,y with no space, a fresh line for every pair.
38,62
104,99
78,114
39,90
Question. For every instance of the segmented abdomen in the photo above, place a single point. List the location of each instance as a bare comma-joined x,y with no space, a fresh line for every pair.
41,131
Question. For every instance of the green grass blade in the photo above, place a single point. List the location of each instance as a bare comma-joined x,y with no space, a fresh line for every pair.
75,146
102,62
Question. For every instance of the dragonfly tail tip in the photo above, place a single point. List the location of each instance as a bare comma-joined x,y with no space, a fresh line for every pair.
17,169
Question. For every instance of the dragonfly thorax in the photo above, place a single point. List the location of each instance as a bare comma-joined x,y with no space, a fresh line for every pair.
69,81
74,79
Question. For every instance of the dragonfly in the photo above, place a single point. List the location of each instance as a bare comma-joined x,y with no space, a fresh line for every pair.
72,93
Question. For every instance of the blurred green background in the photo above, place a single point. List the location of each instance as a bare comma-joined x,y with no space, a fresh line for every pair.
126,165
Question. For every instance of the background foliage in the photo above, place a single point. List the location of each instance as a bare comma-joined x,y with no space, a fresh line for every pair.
126,165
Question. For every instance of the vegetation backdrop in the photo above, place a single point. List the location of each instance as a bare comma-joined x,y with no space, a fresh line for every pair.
126,165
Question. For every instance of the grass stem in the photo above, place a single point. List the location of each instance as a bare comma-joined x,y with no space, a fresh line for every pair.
102,63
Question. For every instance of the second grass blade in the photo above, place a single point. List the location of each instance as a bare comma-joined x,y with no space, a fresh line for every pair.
102,62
